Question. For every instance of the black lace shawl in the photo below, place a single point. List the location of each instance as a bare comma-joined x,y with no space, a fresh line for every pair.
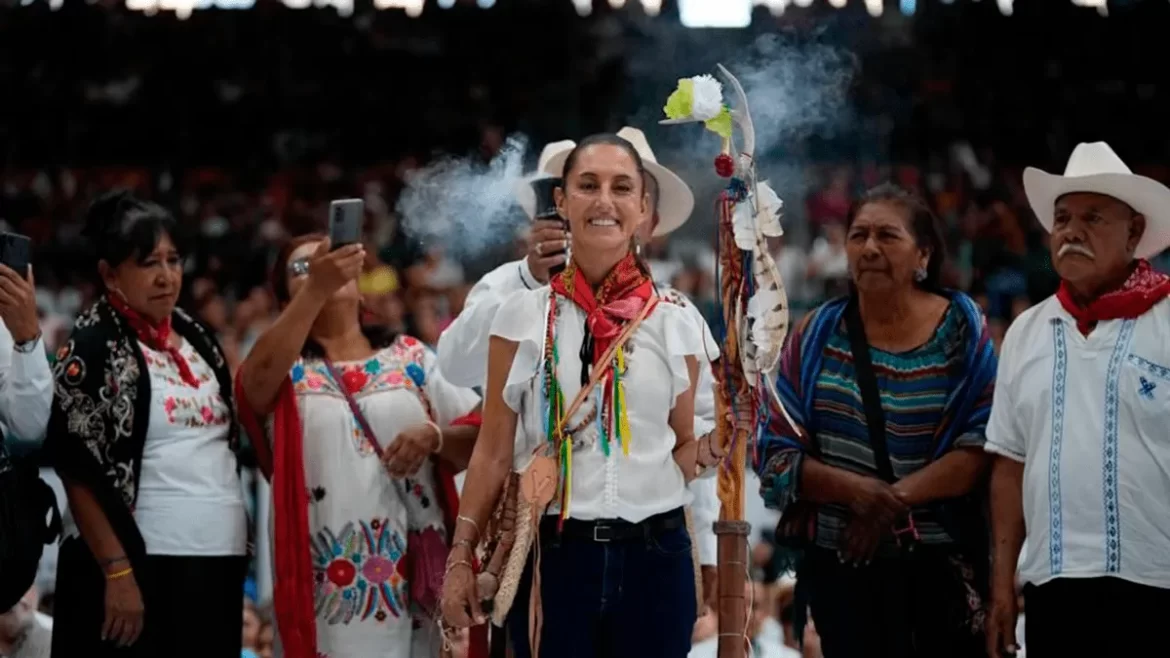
101,410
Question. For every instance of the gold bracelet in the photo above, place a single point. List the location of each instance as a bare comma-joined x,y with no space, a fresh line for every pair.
119,574
466,543
439,434
458,563
468,520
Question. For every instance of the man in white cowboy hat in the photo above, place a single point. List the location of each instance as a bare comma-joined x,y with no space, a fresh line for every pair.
463,347
1080,423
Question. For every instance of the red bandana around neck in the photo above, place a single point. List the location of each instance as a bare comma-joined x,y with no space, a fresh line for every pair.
618,299
1144,288
156,336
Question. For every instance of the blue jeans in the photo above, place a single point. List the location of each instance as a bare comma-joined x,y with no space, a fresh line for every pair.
632,598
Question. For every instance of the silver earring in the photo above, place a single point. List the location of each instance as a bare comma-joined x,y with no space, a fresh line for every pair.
637,247
920,274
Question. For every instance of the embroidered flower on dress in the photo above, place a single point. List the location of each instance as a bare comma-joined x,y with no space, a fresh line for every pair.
359,572
373,366
416,373
298,373
354,380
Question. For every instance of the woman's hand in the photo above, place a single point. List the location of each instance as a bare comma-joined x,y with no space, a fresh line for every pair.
410,449
860,541
1001,623
330,270
874,500
124,610
460,600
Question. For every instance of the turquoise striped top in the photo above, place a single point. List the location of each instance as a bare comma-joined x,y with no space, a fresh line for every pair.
914,387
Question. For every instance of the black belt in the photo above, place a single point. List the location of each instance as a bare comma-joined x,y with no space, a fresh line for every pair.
615,530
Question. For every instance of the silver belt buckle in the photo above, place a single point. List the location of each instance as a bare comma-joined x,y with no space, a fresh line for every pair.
601,533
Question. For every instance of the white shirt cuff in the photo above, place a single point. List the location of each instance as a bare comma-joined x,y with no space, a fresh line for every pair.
1003,451
526,276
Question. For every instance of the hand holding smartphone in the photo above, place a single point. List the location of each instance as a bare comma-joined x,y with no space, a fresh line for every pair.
546,209
16,253
346,219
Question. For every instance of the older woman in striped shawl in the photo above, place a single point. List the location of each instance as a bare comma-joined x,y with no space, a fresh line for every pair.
880,481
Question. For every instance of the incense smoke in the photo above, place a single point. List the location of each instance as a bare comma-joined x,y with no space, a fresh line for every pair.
462,204
798,88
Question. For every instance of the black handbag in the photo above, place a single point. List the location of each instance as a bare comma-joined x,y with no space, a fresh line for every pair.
29,520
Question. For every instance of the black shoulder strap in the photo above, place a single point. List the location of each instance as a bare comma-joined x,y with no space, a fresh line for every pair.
875,418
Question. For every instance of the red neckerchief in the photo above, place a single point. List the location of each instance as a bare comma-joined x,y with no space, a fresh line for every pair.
156,336
1144,288
283,464
618,299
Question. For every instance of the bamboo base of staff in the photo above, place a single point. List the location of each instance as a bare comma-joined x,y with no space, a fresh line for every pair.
732,537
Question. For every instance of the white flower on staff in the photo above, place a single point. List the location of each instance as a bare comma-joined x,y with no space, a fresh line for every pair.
707,101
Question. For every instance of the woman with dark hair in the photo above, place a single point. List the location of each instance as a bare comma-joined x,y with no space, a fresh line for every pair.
354,427
142,433
880,481
591,383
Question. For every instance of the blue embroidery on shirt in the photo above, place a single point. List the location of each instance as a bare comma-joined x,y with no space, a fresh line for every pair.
1109,450
1150,367
1147,388
1059,375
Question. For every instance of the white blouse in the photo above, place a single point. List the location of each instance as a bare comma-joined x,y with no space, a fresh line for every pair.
629,487
190,501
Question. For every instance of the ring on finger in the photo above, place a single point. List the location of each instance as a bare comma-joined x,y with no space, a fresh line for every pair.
538,248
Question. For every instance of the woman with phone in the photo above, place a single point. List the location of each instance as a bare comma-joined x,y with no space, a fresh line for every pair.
590,389
143,434
361,436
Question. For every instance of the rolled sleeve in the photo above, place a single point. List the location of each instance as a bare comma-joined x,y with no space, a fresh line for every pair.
26,388
463,346
1003,435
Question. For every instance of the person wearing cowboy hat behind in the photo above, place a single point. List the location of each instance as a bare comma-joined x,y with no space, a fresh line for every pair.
1078,423
463,347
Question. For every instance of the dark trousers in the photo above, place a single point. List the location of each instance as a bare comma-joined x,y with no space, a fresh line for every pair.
193,607
913,606
1094,617
619,599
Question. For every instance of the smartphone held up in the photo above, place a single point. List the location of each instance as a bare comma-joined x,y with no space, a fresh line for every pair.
346,220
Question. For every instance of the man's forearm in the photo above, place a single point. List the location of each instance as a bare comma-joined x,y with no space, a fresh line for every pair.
1007,521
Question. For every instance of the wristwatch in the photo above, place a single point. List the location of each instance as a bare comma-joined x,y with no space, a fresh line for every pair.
26,347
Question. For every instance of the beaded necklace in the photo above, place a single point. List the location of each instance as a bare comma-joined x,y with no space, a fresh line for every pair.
610,412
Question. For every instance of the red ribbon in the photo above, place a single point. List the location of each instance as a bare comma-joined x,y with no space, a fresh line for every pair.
155,335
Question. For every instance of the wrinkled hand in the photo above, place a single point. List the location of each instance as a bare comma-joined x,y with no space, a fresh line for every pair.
18,304
460,600
710,587
877,502
547,242
409,450
1001,625
330,270
124,609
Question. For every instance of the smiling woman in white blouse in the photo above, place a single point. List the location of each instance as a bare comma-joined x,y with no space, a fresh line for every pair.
616,576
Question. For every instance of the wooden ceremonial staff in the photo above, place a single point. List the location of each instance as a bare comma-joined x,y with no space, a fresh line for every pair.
731,530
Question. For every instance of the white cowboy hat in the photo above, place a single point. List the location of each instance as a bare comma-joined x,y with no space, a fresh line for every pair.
523,188
1096,168
675,200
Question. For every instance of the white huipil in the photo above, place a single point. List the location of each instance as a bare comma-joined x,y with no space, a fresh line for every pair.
630,487
359,516
1088,417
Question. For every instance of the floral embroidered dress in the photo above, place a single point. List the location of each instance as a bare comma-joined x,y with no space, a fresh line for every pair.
358,515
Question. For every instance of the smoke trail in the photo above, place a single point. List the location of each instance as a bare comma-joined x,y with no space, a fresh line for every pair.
462,204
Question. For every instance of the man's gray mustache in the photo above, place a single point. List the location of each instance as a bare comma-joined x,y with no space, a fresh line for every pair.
1075,248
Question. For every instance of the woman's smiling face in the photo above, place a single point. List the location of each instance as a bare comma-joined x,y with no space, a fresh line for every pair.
603,198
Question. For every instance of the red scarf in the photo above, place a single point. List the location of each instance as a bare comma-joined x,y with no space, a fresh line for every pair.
618,299
156,336
284,467
1144,288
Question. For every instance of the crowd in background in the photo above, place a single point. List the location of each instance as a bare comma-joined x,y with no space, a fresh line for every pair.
248,136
